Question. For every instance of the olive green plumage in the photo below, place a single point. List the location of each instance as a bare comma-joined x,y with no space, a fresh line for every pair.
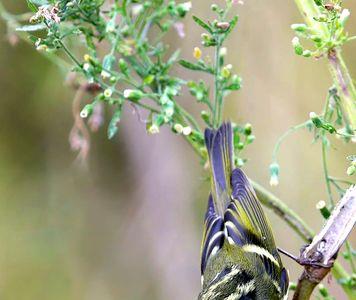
239,259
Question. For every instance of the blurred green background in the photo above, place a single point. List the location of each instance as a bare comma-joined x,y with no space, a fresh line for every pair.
128,226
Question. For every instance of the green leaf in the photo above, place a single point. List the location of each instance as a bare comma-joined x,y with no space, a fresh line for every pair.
232,25
201,23
113,125
318,2
108,62
195,67
31,6
32,28
173,58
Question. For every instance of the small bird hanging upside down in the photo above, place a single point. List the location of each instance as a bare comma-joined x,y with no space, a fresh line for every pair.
239,258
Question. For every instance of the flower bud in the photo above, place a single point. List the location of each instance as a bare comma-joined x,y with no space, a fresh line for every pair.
223,25
351,170
307,53
86,67
123,66
298,49
205,116
225,72
214,7
184,8
86,111
321,206
223,51
197,53
187,130
153,129
108,93
315,119
274,172
250,139
178,128
133,94
87,57
299,27
248,129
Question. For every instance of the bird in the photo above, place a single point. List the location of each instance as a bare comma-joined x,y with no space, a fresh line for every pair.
239,257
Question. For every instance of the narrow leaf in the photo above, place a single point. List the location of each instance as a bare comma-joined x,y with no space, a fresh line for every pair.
31,6
173,58
232,25
201,23
113,125
195,67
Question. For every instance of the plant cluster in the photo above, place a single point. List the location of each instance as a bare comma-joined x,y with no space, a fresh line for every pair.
119,50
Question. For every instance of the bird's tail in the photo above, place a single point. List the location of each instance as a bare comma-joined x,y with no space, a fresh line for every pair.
220,149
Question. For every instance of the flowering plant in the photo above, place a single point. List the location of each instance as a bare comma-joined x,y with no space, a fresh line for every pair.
117,49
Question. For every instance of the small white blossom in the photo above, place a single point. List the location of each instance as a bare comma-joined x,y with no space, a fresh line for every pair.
312,115
178,128
320,205
187,6
274,181
187,130
154,129
86,67
223,51
295,41
169,111
128,93
137,9
105,74
108,93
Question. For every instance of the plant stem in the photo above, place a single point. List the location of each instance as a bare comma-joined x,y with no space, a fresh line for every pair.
338,69
325,168
351,258
285,135
344,85
217,92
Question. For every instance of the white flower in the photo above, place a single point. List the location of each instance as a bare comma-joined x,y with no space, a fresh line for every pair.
178,128
187,130
187,6
295,41
105,74
274,181
128,93
223,51
86,67
169,111
137,9
320,205
108,93
133,94
313,115
154,129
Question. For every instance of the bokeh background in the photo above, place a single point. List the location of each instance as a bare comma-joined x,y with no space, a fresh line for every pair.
128,225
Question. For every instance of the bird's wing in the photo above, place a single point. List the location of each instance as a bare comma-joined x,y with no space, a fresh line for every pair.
247,226
213,236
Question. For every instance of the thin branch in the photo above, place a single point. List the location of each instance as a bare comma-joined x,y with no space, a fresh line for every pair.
319,256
